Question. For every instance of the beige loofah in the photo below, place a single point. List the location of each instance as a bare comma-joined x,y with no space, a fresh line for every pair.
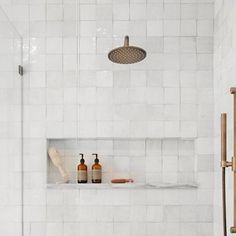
57,161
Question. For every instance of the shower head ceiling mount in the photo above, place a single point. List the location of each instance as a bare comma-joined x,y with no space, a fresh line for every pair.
127,54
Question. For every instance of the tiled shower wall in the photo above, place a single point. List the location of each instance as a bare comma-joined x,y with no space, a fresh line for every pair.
169,95
224,79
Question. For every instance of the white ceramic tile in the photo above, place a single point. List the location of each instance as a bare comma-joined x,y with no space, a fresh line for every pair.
171,44
121,228
37,80
188,61
205,28
69,63
104,28
54,228
104,12
38,229
171,11
155,96
138,28
154,227
204,45
54,45
54,12
138,78
155,28
104,45
154,78
69,10
53,62
54,29
69,45
87,28
87,45
120,11
171,95
155,10
188,45
37,12
205,11
87,12
188,28
154,213
138,11
171,213
171,61
171,27
104,79
188,11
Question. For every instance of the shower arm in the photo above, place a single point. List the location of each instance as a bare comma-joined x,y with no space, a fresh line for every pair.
225,163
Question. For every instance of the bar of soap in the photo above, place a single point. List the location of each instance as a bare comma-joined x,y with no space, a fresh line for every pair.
121,181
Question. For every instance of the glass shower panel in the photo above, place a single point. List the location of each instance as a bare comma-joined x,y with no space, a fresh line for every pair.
10,129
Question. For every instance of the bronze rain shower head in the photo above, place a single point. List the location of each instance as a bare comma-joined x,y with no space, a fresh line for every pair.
127,54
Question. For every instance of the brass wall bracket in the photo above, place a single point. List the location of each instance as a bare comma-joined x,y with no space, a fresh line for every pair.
226,164
233,90
233,230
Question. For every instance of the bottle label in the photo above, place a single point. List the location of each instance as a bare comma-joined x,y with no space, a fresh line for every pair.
97,174
82,175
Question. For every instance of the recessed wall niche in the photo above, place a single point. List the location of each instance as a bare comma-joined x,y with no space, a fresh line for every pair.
146,161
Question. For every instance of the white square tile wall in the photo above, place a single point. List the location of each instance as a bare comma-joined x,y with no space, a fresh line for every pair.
156,92
169,95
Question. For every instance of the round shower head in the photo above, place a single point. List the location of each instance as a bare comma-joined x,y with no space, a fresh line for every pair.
127,54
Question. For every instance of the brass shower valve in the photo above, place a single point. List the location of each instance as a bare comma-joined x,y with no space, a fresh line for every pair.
225,164
232,164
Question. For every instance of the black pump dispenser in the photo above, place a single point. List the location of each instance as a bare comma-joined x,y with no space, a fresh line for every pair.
96,160
82,158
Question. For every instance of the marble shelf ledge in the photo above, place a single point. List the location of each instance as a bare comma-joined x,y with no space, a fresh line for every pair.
123,186
123,138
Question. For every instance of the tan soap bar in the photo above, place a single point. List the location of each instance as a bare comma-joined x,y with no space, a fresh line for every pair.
121,181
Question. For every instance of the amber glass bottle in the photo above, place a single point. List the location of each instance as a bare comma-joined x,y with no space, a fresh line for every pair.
82,171
96,170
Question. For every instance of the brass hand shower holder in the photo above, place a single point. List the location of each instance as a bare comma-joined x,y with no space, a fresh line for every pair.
225,164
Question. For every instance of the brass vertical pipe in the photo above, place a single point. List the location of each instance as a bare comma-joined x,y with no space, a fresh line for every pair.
233,162
223,137
233,228
223,164
224,202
